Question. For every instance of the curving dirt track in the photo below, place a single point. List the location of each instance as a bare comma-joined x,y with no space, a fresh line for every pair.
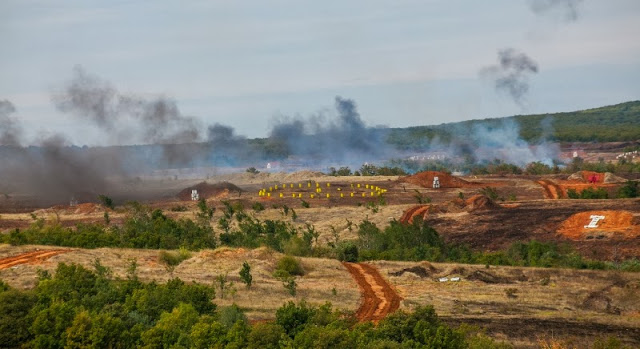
379,298
29,257
551,190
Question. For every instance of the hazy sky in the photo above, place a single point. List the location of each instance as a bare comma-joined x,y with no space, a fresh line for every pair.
244,63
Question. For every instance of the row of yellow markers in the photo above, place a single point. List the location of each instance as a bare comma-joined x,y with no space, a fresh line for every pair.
370,190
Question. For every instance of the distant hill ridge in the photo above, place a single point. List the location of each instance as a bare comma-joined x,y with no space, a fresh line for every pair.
613,123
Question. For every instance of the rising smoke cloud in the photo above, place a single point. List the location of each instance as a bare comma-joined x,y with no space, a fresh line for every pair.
52,169
10,128
511,74
569,10
344,139
125,117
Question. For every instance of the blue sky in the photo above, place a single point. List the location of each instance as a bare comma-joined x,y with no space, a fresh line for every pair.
245,63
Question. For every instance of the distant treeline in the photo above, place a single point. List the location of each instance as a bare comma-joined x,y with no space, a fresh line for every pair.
615,123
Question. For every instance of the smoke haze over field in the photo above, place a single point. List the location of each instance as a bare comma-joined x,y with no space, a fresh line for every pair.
55,170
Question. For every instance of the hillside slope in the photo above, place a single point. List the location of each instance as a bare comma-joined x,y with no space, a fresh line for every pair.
614,123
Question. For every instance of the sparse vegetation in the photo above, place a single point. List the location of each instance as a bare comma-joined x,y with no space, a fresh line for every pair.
106,201
174,258
252,170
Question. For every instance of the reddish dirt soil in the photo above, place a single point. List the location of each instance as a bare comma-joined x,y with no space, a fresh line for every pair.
551,190
208,191
559,190
618,223
379,298
33,257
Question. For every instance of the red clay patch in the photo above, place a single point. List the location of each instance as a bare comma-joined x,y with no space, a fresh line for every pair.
616,224
33,257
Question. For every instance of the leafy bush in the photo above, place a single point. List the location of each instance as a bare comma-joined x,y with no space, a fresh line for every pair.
629,190
348,252
174,258
257,206
290,265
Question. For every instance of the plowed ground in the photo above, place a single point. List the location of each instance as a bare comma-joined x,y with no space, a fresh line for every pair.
379,298
32,257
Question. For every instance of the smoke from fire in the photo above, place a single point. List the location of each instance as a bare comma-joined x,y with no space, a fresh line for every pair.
54,170
568,9
511,74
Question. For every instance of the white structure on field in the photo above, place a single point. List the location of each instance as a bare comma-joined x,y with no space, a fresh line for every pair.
594,221
73,202
194,195
436,182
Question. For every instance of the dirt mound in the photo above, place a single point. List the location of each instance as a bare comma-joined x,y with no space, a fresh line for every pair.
487,277
595,177
86,208
424,270
302,175
418,211
480,203
614,224
208,191
587,177
611,178
425,179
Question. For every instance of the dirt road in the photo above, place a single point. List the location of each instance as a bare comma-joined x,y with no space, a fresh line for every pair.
379,298
29,257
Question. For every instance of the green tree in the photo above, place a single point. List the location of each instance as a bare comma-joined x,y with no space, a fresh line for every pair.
173,329
266,336
15,319
245,274
106,201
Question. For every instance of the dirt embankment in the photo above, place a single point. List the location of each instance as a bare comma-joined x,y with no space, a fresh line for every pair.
557,189
33,257
475,203
425,179
209,191
378,297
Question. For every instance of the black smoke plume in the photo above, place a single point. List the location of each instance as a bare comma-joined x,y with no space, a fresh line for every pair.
319,140
51,170
511,74
568,9
10,128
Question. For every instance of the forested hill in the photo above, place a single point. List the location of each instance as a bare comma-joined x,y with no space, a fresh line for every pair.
620,122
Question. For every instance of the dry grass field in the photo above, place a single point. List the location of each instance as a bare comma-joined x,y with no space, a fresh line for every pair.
260,302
